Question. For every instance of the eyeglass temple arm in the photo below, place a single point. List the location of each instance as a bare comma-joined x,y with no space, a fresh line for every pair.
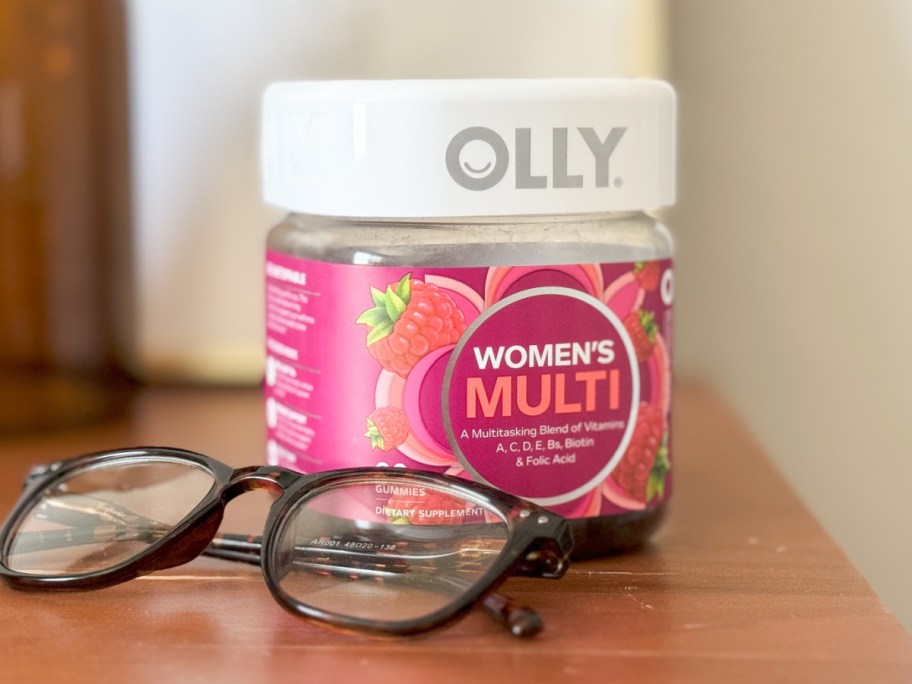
519,620
120,523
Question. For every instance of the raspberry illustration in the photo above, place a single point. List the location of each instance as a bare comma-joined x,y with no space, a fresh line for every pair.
642,328
648,274
641,472
387,428
409,320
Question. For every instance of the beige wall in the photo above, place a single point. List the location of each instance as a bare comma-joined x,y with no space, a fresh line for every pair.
794,244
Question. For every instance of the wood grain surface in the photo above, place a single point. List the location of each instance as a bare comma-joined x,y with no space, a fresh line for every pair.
741,584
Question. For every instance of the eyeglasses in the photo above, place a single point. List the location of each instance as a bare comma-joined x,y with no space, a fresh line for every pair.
380,550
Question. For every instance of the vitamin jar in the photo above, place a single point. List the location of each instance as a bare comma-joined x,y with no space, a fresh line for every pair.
468,282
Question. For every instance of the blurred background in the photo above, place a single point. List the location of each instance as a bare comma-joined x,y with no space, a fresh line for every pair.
132,229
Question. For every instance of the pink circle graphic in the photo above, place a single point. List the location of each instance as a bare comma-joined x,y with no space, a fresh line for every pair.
540,394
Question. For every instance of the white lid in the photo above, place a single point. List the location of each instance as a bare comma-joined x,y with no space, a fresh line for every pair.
468,147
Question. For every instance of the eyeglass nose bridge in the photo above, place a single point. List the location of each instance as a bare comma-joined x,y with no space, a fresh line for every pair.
273,479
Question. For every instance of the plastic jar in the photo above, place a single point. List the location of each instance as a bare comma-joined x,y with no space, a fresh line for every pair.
468,282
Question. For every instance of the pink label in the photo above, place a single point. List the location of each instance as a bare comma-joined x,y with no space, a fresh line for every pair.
550,382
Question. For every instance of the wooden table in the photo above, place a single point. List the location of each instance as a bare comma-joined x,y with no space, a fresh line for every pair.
741,584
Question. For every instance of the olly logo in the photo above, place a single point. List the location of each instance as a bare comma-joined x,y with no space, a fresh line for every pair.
478,158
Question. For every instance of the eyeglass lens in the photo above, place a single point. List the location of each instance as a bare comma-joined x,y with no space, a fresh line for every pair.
386,552
105,514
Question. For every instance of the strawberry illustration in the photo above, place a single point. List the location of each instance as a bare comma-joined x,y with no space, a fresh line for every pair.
641,472
648,274
409,320
387,428
642,328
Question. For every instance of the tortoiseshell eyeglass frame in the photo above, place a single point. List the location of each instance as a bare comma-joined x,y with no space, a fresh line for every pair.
538,542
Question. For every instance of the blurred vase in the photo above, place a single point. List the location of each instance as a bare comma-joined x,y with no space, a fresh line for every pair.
61,210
